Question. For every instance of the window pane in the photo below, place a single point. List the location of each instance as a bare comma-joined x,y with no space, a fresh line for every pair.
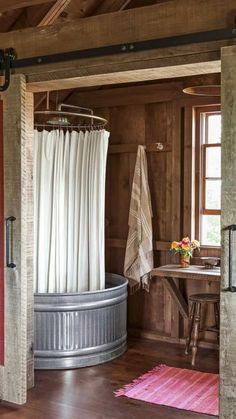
214,128
213,194
210,230
213,162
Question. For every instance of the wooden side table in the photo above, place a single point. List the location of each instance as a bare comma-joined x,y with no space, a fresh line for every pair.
198,273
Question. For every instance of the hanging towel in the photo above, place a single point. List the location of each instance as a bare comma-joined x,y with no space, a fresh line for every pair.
139,248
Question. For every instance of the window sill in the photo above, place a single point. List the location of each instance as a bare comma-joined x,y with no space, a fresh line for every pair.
207,247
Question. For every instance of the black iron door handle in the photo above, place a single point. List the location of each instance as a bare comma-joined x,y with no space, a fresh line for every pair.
9,242
231,287
6,58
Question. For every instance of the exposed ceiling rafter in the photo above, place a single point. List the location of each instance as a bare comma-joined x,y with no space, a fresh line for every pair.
54,12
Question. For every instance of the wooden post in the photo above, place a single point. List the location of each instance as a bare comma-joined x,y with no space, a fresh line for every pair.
16,375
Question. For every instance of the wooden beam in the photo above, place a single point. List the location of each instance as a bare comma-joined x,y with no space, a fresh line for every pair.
148,93
131,95
121,244
54,12
157,64
99,76
6,5
128,26
132,148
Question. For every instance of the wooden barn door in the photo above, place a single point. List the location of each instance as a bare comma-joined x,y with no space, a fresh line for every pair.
16,242
228,294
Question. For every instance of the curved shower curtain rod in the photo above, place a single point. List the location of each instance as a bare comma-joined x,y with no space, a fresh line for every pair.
60,118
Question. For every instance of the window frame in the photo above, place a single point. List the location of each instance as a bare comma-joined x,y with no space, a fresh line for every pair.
201,131
204,178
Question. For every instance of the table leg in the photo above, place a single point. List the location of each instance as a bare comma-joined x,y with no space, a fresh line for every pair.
196,327
190,327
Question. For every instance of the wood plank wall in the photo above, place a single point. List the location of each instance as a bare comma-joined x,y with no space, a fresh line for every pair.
147,115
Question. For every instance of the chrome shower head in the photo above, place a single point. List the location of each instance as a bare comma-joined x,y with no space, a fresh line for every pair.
58,120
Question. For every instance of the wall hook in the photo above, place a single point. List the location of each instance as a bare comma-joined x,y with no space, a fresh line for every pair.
159,146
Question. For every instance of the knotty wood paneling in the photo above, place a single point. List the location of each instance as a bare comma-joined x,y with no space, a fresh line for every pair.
142,124
168,122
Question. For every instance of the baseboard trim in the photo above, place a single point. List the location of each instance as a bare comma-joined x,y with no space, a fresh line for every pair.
152,335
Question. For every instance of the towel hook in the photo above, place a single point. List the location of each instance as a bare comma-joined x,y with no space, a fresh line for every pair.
159,146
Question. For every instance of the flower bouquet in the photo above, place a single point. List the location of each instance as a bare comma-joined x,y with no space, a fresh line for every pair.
185,248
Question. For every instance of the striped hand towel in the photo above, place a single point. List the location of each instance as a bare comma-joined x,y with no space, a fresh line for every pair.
139,248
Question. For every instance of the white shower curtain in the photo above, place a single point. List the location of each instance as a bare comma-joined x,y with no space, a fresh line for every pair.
69,181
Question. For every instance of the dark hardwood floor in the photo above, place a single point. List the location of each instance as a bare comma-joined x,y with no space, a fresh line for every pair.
87,393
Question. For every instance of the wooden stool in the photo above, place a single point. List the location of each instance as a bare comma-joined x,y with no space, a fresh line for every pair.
195,318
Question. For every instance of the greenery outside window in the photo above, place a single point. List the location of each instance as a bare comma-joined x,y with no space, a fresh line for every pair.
208,175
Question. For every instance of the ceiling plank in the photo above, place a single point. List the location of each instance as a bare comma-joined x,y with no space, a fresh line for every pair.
82,8
120,96
54,12
39,98
138,94
140,3
6,5
8,19
39,15
108,6
30,16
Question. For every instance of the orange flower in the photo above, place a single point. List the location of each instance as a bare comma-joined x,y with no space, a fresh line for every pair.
174,245
185,247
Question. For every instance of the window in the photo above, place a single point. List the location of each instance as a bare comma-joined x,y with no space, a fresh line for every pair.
208,175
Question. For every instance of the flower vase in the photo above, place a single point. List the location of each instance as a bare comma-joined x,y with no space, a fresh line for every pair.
184,261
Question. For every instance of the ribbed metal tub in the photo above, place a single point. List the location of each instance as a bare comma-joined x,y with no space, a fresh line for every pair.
79,330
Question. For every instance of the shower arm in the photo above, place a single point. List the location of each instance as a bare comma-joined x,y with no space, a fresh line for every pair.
79,108
86,112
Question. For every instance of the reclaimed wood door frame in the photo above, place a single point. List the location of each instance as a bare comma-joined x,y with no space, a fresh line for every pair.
1,240
16,373
228,299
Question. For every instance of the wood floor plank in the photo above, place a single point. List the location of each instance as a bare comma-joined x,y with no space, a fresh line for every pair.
87,393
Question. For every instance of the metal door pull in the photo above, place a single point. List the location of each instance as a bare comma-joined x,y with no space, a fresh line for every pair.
9,242
231,287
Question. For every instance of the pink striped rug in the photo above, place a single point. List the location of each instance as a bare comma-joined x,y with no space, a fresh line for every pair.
176,387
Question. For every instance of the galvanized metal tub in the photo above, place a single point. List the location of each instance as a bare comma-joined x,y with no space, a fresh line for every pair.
79,330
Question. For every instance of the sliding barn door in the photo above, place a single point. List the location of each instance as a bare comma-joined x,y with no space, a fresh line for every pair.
228,298
16,242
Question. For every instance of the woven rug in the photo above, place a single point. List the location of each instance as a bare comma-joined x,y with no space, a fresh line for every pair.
176,387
